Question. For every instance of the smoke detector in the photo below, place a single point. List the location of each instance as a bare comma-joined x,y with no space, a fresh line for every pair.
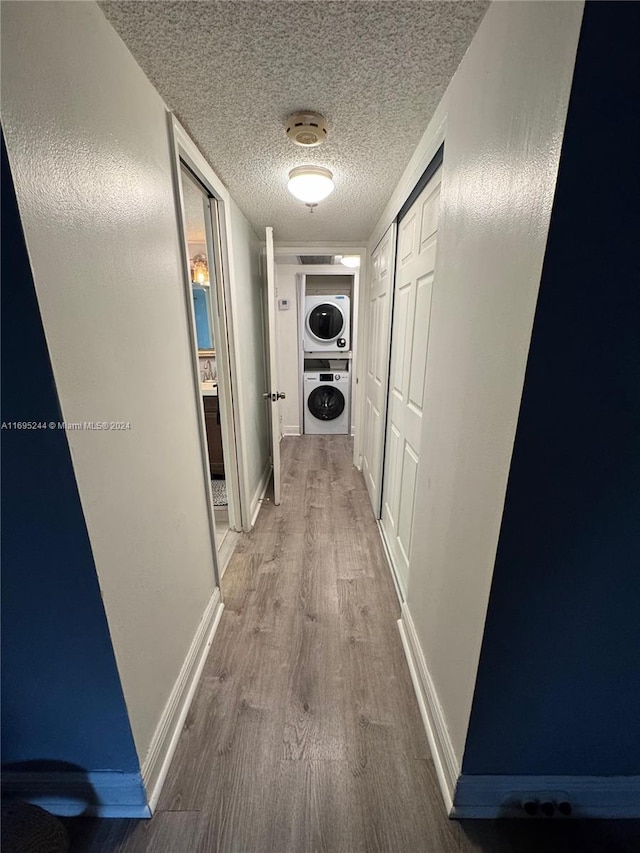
308,129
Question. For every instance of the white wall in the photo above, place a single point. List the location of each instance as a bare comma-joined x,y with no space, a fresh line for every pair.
504,114
89,147
249,333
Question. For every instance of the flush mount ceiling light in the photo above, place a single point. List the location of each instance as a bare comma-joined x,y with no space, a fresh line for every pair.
306,128
352,261
310,184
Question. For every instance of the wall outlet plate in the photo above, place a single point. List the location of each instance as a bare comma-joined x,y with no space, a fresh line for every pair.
284,304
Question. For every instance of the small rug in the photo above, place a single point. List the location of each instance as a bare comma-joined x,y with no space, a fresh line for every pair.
219,492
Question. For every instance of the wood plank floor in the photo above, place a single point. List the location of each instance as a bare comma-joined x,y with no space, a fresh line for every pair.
304,735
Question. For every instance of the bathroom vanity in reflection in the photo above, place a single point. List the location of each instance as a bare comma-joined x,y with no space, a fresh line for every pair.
214,432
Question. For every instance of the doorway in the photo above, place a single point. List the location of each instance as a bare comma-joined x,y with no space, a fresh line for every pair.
197,209
326,326
201,213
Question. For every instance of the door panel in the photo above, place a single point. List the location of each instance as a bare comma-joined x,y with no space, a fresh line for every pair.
377,373
407,238
418,367
391,499
409,348
407,497
272,399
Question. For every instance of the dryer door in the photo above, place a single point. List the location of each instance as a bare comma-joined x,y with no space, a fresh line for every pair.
326,402
325,321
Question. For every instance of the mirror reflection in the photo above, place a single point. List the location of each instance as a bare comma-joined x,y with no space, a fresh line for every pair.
195,211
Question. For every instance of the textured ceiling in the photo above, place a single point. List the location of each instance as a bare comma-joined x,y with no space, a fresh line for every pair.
233,71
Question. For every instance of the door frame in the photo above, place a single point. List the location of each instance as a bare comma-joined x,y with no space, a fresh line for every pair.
184,151
301,283
357,338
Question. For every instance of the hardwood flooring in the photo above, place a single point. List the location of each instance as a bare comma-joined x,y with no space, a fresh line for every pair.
304,735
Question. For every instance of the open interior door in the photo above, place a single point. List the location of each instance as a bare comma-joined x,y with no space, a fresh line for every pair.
273,395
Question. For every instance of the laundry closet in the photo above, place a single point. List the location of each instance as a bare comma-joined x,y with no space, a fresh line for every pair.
325,332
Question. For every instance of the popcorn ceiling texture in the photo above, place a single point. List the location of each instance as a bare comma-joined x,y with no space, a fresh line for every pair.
233,71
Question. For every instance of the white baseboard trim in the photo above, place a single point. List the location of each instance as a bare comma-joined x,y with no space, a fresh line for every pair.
446,763
589,796
165,739
294,429
225,551
390,564
256,500
93,794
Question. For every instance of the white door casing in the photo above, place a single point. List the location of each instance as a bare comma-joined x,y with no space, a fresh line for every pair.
415,267
185,154
272,391
379,299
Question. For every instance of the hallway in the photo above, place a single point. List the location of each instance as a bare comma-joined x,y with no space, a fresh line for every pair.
304,734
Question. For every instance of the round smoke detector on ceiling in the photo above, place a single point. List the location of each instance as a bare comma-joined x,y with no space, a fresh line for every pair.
307,129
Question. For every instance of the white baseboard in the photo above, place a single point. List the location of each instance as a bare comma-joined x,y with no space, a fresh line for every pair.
446,763
92,794
589,796
256,500
226,549
501,796
165,739
392,568
294,429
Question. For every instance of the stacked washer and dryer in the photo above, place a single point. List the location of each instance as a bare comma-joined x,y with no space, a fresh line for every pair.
327,381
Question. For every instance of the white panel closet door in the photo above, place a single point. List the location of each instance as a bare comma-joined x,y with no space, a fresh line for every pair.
415,265
377,372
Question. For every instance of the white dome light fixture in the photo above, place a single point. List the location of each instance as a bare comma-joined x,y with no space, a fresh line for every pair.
351,261
310,184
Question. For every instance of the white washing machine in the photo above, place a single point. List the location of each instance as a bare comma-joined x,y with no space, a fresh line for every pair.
326,402
327,323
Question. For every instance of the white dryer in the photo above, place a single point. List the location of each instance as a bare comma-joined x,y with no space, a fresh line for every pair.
327,323
326,402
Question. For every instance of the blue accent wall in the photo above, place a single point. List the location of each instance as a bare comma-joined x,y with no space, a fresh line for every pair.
61,695
558,688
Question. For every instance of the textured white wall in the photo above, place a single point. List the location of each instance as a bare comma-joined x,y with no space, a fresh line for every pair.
248,313
88,143
505,113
